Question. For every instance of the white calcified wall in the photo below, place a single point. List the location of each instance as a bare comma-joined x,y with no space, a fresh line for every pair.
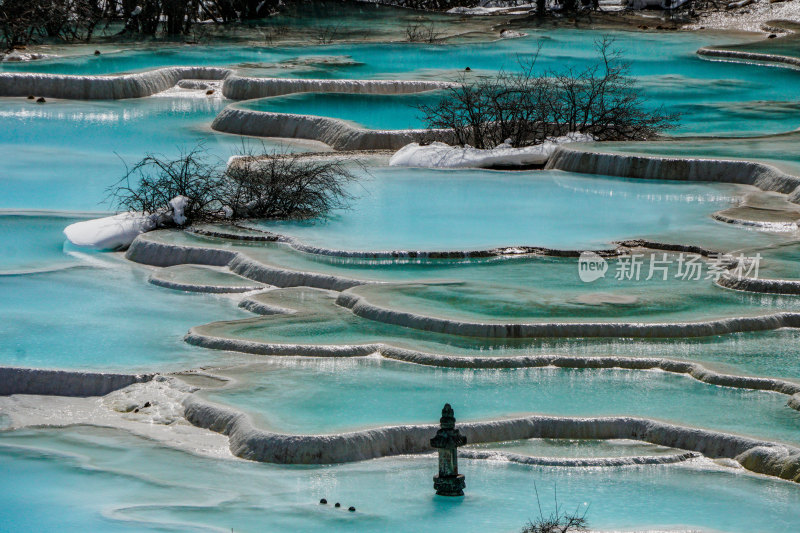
761,175
252,443
749,56
63,382
243,88
148,251
336,133
103,87
360,306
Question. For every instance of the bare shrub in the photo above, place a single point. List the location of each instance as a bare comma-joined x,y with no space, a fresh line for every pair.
526,108
558,521
286,186
327,34
278,186
423,32
150,185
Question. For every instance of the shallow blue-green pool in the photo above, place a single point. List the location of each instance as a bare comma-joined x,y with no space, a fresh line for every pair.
138,486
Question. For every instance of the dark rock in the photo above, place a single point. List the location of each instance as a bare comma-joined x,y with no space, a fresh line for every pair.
146,404
771,36
337,504
323,501
467,69
210,91
352,509
31,97
97,52
40,100
136,410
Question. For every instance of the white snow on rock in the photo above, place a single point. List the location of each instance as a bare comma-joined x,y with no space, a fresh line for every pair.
752,17
118,231
441,155
512,34
17,56
110,233
178,205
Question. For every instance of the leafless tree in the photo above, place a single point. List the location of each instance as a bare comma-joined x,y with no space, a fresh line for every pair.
287,186
525,107
17,22
273,185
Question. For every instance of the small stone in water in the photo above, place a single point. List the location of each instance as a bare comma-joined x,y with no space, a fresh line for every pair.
31,97
40,100
97,52
337,504
467,69
323,501
146,404
210,91
352,509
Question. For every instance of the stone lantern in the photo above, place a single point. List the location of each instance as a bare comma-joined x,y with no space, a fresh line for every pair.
448,482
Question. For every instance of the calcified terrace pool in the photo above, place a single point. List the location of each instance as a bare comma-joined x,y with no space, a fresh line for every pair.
229,376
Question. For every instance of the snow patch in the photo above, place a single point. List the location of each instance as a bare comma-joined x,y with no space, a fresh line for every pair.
752,17
441,155
117,232
110,233
178,205
17,56
512,34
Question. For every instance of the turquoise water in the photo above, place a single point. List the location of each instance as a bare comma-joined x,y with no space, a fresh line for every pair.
101,314
780,150
706,106
102,318
61,307
374,111
713,96
309,396
67,153
609,301
32,242
137,485
577,448
317,321
376,60
473,209
552,273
